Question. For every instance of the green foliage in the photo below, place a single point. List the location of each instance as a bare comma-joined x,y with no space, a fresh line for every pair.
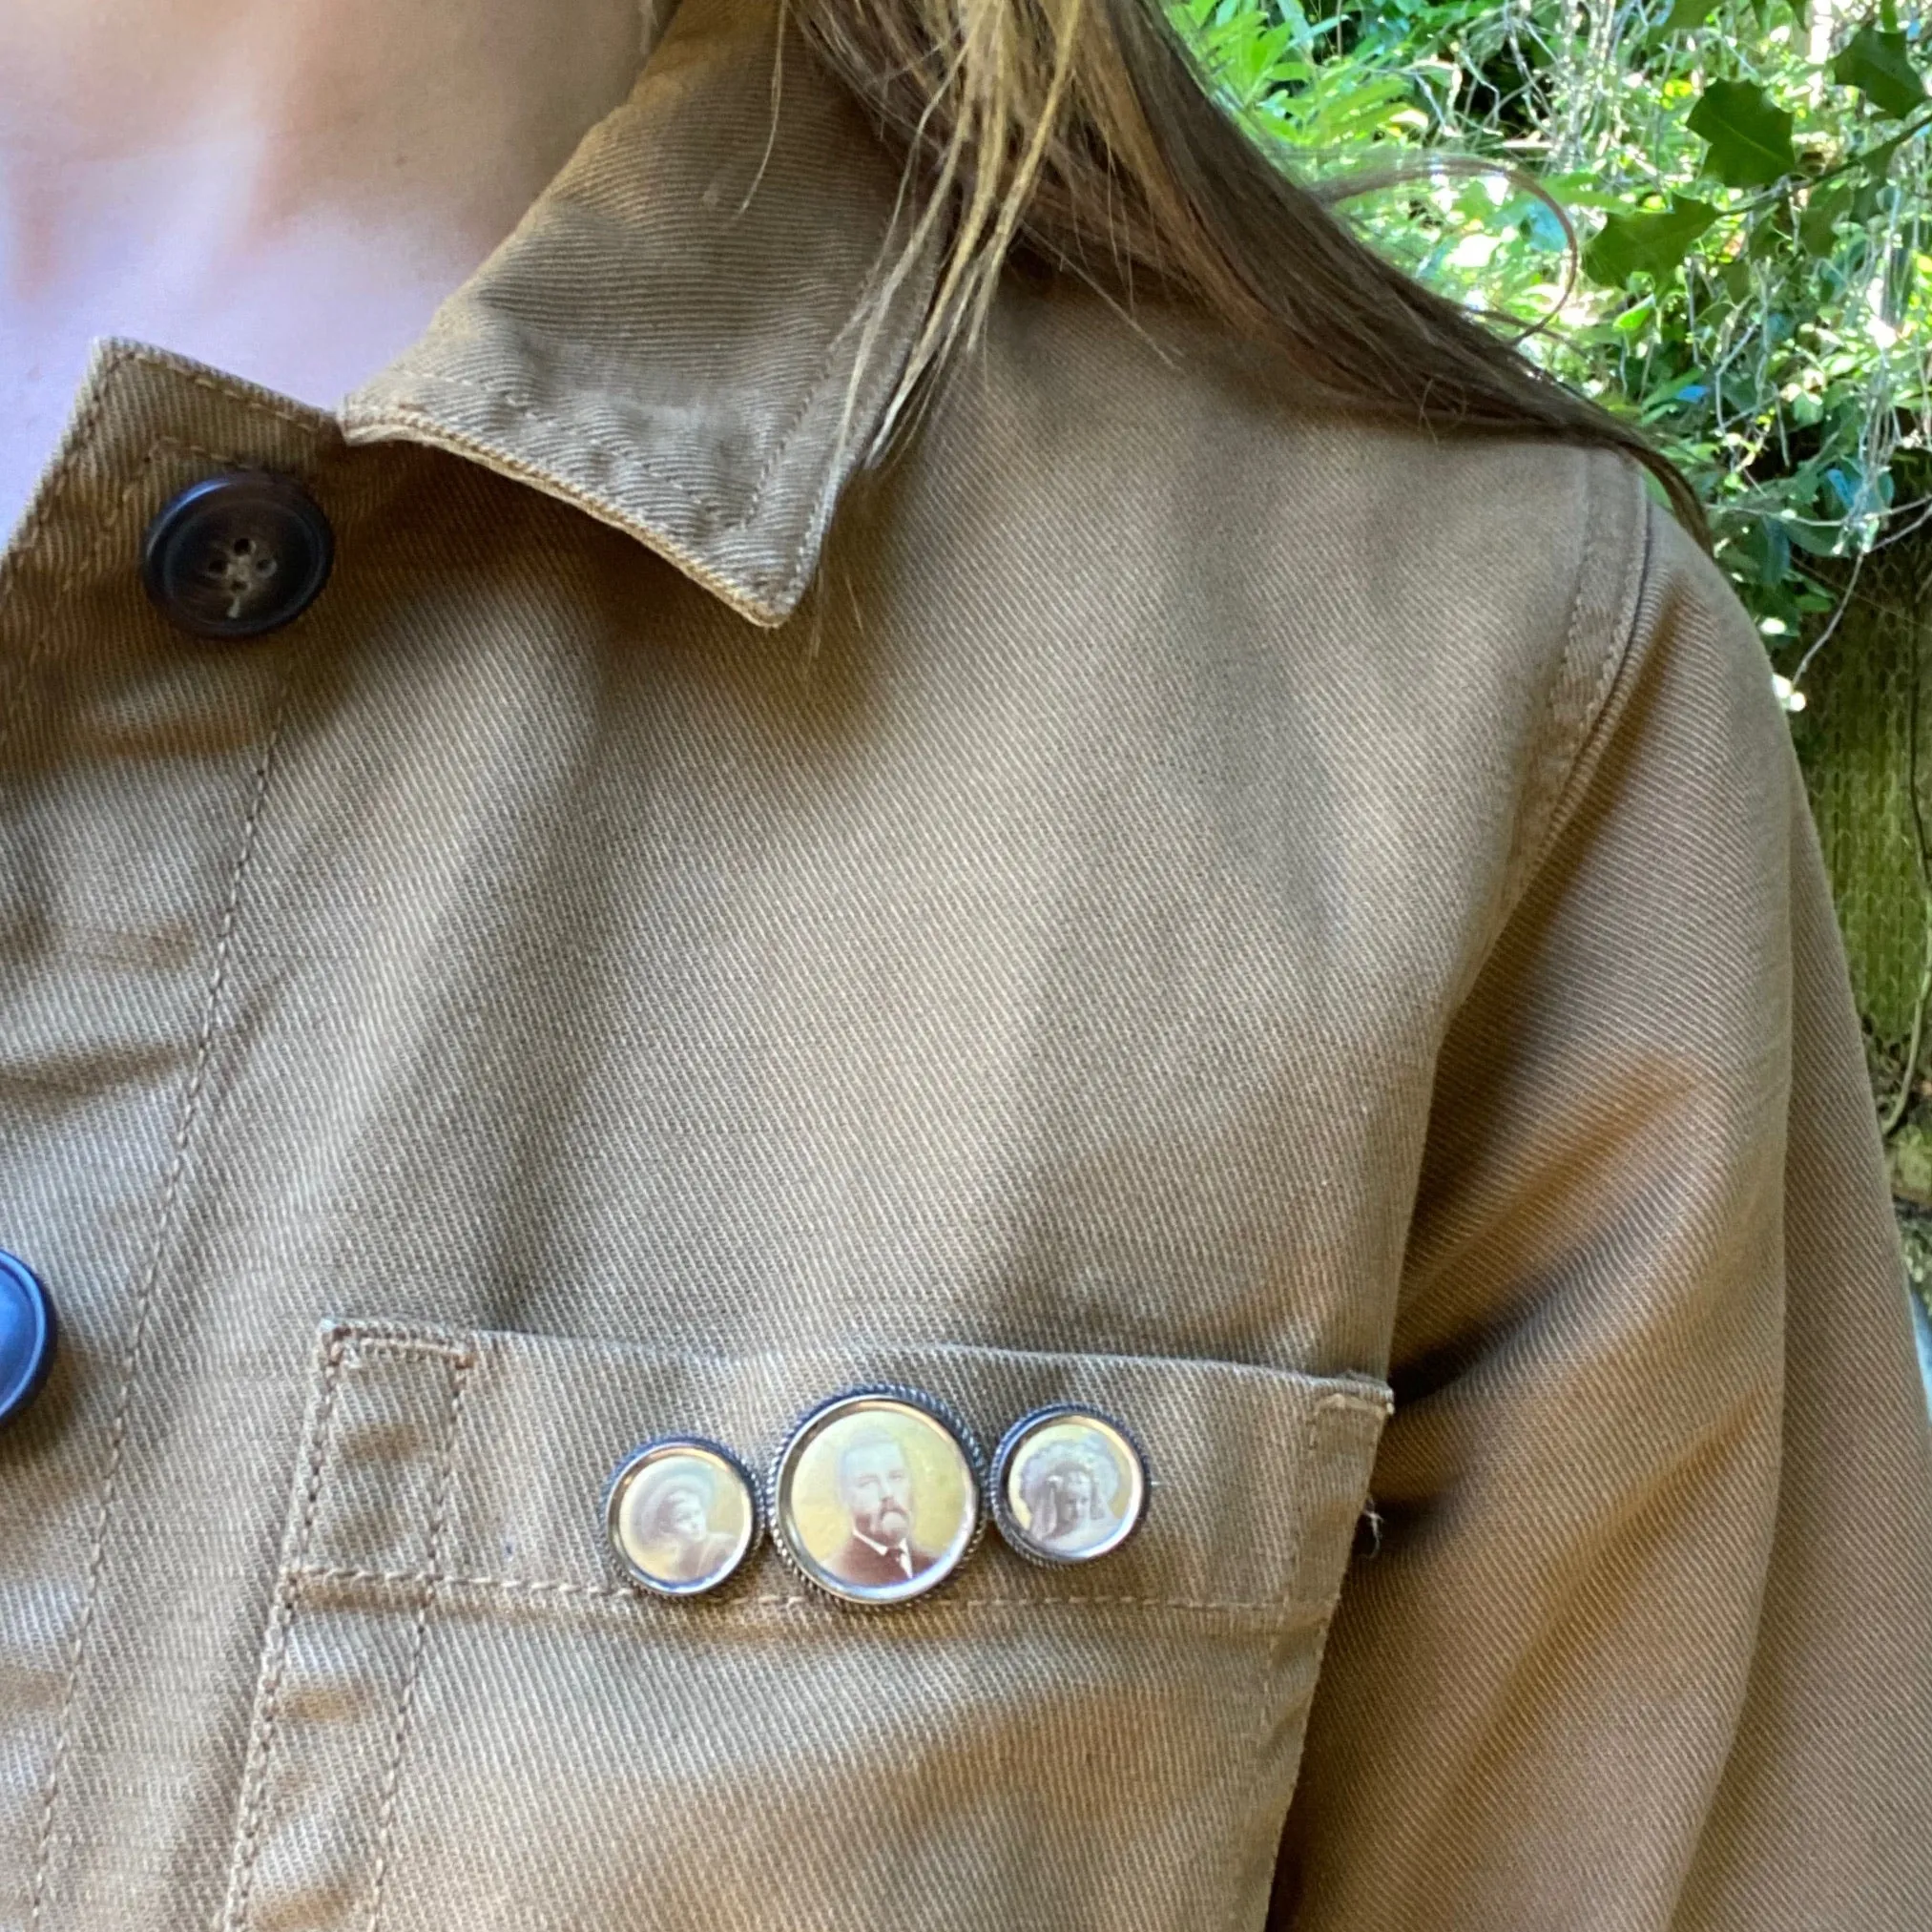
1687,13
1652,243
1878,66
1749,185
1750,138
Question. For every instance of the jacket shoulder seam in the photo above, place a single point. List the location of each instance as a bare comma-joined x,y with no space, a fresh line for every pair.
1612,563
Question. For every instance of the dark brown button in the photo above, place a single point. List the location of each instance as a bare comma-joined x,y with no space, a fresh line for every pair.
237,555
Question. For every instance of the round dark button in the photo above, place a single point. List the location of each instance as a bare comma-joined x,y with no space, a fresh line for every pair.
238,554
26,1335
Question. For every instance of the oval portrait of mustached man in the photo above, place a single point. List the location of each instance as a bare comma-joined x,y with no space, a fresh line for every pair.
874,1497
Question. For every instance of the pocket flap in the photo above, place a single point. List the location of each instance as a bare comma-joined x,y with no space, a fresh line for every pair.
485,1456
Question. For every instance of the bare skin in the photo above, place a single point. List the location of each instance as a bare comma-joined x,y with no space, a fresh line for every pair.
285,189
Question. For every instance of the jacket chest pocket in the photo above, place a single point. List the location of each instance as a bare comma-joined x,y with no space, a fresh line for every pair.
465,1717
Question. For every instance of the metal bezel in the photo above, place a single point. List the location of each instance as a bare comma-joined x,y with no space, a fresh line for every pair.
801,1430
614,1496
1012,1535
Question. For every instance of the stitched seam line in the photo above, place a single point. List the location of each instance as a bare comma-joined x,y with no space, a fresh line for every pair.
378,1338
1562,762
907,327
257,402
288,1599
437,1336
405,1704
164,1219
632,460
1557,738
616,1592
1318,1611
782,587
85,433
795,564
503,463
1614,659
1265,1674
1236,1859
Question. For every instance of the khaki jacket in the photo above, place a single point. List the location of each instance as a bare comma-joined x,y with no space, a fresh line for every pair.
1303,936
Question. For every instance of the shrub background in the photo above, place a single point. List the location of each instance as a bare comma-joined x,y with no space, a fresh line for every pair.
1712,217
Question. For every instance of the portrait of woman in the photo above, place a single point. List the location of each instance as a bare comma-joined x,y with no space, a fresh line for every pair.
1068,1490
668,1520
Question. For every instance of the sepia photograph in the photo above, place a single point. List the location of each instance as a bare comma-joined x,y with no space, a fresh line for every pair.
876,1500
1072,1487
681,1517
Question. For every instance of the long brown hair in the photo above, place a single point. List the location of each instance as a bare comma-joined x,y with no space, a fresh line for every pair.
1041,127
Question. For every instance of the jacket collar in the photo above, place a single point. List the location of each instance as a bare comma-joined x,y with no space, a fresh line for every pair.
667,337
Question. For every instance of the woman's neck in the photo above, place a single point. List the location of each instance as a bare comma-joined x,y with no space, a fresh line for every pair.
283,188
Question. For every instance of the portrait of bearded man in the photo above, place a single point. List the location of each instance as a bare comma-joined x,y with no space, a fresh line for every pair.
876,1490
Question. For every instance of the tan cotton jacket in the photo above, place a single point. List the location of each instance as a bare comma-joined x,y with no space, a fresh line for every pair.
1304,938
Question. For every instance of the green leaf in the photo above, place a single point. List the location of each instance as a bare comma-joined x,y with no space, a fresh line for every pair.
1767,545
1876,161
1814,543
1653,243
1633,318
1750,137
1877,64
1783,285
1868,200
1818,226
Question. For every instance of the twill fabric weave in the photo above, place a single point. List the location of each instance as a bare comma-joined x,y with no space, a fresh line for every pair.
1301,935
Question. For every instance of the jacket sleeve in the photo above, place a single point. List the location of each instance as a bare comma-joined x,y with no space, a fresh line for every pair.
1645,1639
